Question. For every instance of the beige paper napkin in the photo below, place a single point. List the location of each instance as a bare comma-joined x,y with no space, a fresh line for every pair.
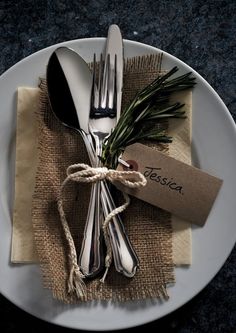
180,149
23,250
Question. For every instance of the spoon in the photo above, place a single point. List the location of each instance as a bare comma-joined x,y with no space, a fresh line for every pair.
69,83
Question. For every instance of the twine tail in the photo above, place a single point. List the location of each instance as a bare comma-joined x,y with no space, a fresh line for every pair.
102,280
106,222
75,281
109,257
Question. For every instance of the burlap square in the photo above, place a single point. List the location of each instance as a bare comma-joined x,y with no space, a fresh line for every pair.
148,227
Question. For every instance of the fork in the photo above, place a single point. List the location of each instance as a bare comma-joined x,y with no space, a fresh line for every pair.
103,118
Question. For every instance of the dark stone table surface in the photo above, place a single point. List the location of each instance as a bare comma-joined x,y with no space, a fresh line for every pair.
202,34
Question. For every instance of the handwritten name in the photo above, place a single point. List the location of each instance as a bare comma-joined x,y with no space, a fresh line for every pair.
154,174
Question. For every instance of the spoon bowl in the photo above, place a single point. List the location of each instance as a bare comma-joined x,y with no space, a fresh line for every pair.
69,82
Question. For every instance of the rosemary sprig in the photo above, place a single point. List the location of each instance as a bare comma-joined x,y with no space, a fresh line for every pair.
142,118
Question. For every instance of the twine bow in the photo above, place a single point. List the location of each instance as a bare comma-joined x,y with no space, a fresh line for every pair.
84,173
88,174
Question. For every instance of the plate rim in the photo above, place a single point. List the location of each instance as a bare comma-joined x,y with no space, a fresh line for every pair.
209,87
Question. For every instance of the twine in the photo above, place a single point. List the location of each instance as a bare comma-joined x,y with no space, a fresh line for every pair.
83,173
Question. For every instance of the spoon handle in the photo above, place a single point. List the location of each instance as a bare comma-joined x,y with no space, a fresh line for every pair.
91,258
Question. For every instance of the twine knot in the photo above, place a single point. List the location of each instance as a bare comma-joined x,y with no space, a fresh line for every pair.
84,173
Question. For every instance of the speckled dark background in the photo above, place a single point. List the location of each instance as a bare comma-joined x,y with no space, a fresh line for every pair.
201,33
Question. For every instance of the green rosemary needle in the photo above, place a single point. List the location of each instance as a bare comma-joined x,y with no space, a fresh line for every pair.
142,118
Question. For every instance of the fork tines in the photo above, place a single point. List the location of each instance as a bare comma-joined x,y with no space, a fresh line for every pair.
104,88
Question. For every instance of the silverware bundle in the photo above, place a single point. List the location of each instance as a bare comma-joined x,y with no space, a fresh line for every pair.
90,102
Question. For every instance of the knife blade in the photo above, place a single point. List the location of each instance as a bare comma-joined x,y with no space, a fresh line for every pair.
115,48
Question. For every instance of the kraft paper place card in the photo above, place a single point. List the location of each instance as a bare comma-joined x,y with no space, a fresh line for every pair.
172,185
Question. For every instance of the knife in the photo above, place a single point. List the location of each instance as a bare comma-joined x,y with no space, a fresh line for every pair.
125,258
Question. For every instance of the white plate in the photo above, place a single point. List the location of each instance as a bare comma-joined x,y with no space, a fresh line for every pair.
214,138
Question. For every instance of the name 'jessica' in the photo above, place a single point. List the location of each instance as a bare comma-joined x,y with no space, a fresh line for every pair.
154,175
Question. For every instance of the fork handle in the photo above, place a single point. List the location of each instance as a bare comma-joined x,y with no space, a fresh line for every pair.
125,259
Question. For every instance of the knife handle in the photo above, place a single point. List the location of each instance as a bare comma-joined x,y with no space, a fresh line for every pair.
125,258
